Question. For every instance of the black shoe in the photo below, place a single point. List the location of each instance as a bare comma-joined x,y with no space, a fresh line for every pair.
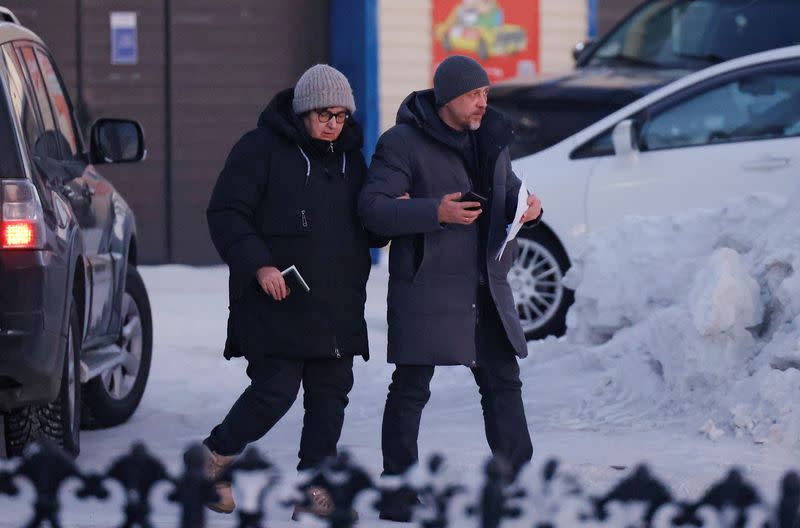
398,506
396,516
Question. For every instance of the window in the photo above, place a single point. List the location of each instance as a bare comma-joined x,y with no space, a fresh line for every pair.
21,99
60,104
601,145
35,77
47,144
758,105
696,33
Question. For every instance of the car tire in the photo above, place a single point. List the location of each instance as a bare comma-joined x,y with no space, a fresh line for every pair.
536,276
112,397
60,419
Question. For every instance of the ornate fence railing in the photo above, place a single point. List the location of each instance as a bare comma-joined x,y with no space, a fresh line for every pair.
553,499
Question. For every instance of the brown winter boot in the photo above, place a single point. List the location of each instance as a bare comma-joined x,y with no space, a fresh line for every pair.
320,504
214,465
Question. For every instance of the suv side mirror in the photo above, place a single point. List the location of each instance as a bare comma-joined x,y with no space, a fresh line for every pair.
116,141
623,138
580,47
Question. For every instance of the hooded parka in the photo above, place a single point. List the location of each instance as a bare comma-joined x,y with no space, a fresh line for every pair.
282,199
435,269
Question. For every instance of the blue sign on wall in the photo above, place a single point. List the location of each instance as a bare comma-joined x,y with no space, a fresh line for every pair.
124,38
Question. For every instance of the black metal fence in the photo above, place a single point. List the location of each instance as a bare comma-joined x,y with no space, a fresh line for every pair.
556,499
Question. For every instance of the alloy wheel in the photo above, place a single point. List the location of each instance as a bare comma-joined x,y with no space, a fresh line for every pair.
535,280
119,381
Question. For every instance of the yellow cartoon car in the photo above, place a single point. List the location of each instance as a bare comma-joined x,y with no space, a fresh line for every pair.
479,29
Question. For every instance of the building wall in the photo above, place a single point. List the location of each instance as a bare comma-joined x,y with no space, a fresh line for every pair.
405,40
130,91
404,34
206,69
564,23
228,60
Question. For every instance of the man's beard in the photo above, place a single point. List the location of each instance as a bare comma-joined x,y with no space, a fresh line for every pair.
475,123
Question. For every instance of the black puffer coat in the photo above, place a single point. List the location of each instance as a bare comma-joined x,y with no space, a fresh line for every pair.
284,198
434,269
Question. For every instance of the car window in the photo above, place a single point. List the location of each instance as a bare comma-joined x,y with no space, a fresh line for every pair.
695,33
60,104
601,145
24,108
50,142
21,98
759,105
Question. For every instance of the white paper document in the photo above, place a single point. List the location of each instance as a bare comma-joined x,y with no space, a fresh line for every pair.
513,228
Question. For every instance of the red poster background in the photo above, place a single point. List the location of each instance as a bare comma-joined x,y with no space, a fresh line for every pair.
521,13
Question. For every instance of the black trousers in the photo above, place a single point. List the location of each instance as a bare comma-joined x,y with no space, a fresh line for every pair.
497,377
273,390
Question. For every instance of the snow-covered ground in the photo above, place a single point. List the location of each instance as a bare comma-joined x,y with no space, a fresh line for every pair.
683,352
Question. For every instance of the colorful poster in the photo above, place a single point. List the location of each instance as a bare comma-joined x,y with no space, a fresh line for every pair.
503,35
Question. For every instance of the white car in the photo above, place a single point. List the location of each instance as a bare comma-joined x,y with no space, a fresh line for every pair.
722,132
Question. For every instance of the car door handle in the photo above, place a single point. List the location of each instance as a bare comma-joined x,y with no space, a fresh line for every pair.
768,163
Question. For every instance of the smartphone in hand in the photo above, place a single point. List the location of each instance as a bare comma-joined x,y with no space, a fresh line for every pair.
294,281
472,196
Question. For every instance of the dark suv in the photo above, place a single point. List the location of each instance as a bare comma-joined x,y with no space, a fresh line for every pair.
75,326
658,42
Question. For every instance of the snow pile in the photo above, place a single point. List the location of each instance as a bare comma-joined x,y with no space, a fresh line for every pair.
694,319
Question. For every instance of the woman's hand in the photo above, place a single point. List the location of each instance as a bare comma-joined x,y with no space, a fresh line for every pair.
271,281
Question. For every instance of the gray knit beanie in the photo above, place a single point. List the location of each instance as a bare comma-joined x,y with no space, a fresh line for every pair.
322,86
457,75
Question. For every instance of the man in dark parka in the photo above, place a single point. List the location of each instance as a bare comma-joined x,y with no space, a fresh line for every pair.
449,301
287,196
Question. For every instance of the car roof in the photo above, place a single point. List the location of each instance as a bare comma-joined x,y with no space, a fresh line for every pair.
10,31
778,54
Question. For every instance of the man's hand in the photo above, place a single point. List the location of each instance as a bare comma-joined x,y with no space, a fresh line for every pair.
451,211
404,196
271,281
533,211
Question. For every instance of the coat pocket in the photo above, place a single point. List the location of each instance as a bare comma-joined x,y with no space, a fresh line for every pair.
407,256
425,256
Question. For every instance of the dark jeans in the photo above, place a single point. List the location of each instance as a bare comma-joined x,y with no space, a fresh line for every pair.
497,376
273,390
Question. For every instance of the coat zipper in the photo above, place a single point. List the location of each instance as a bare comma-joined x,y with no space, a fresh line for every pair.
303,218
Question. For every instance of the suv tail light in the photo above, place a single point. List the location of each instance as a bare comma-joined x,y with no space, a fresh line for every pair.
21,217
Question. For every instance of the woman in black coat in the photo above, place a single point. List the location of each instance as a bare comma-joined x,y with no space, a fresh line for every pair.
287,197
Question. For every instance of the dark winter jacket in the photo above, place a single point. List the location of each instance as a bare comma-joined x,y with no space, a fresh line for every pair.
286,199
434,269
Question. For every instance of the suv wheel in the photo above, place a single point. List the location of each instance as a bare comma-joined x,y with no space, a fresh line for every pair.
59,419
112,397
541,298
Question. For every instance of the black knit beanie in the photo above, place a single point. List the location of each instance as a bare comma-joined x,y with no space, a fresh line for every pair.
457,75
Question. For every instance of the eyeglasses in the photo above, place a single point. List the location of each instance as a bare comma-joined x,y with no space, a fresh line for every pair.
325,115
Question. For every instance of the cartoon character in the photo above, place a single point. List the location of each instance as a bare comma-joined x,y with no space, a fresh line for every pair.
477,26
